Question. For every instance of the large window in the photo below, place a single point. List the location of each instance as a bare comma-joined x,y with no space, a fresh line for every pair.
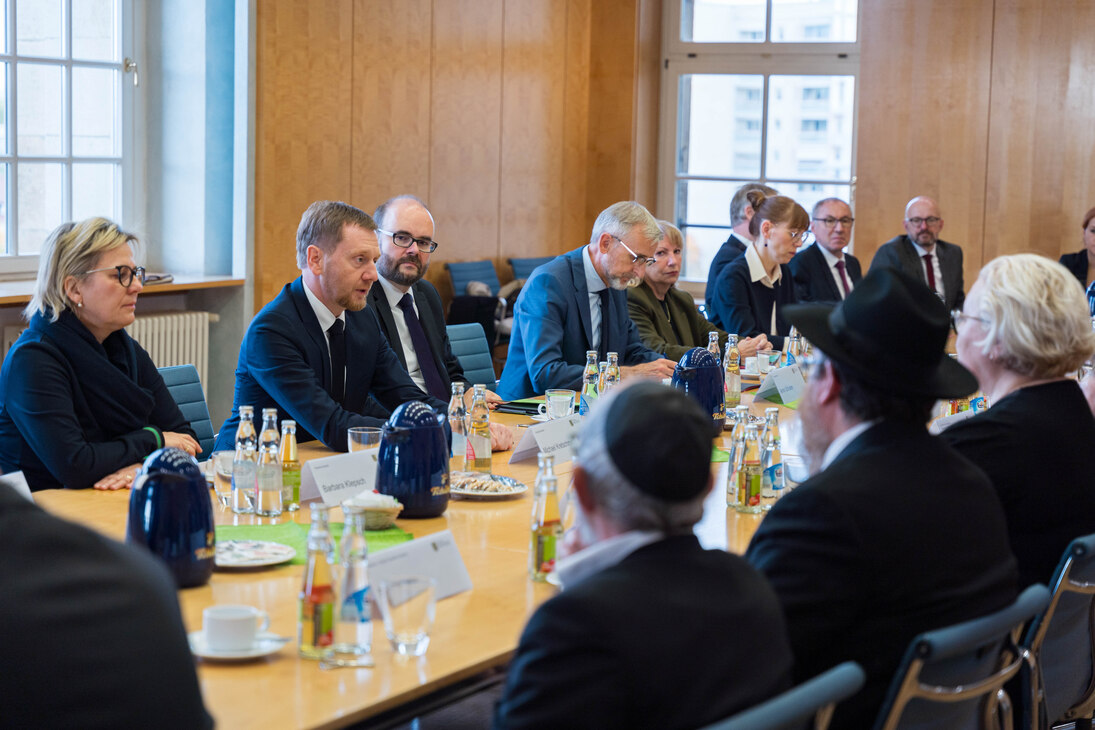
759,90
63,145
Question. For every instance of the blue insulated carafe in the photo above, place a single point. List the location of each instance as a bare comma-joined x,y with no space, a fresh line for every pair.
171,514
413,464
698,374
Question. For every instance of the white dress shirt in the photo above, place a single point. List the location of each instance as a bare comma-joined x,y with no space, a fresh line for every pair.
757,273
602,554
393,295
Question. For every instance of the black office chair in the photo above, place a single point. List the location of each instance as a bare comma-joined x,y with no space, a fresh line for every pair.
186,388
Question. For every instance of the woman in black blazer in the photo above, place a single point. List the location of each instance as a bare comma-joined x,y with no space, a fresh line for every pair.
1082,263
81,403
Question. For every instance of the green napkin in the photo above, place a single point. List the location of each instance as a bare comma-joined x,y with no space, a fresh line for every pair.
719,456
295,535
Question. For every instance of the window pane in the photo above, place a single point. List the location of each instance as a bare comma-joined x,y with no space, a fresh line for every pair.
93,191
94,106
810,127
814,21
703,215
39,108
39,194
723,21
38,28
4,210
720,125
93,26
3,109
808,194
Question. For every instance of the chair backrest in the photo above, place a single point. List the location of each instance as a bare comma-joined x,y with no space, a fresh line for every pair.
469,344
1060,685
522,268
791,710
186,388
954,677
463,272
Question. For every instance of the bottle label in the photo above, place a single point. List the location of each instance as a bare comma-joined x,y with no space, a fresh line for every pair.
355,607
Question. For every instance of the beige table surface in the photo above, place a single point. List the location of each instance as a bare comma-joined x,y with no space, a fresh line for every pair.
475,631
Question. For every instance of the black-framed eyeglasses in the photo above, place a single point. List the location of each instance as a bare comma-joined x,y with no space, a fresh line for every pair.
124,273
830,222
636,258
404,240
930,220
957,316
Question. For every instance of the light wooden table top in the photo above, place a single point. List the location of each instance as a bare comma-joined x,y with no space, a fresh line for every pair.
474,631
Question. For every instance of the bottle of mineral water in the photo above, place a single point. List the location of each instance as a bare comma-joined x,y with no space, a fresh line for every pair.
736,462
478,453
244,463
589,383
772,462
458,424
269,483
713,346
547,527
731,372
290,467
612,372
353,627
794,346
749,474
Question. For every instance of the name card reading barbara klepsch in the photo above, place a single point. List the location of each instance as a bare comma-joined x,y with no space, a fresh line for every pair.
551,437
335,479
434,555
783,386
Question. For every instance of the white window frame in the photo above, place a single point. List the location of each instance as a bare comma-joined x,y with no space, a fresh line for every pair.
767,58
20,266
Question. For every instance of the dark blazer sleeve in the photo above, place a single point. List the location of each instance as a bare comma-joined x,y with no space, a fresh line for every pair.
540,314
887,256
165,415
950,262
855,271
1077,264
43,404
736,302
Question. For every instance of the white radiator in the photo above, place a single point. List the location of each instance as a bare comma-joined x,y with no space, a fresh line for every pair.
171,338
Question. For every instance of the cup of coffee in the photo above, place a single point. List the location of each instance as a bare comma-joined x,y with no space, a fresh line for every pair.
558,403
233,628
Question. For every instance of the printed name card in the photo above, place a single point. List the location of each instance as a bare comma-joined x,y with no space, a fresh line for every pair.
940,425
783,386
551,437
335,479
434,555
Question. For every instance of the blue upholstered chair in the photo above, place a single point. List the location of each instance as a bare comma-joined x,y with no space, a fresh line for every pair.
186,388
469,344
954,677
1059,685
522,268
813,700
463,272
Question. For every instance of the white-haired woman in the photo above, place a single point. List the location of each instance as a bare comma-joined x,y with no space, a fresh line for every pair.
1024,325
81,403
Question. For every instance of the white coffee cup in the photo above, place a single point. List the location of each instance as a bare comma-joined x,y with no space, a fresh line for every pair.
233,628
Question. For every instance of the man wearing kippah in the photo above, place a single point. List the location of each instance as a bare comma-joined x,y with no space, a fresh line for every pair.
895,533
651,630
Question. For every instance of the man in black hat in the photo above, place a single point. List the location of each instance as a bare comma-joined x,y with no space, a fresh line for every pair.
895,533
651,630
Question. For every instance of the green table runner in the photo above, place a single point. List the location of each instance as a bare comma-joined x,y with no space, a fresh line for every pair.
295,535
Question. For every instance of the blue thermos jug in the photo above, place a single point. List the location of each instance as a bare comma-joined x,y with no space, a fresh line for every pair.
413,465
698,374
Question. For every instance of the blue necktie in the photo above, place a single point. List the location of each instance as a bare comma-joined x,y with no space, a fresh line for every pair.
435,386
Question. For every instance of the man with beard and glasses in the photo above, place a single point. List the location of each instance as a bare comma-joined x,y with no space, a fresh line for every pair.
895,533
408,308
312,353
576,303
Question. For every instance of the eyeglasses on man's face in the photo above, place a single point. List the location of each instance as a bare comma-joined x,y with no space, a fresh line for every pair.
124,273
930,220
635,258
830,222
404,240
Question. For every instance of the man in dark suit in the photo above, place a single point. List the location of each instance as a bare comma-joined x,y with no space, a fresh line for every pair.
93,637
740,215
408,308
576,303
651,630
895,533
823,272
922,255
312,353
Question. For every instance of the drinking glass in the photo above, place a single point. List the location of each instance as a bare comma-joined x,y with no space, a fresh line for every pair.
407,607
219,472
362,438
558,403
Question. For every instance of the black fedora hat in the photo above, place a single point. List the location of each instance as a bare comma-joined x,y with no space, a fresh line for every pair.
890,332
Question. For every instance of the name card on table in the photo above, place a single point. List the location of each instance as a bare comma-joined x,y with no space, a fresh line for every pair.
434,555
551,437
783,386
940,425
335,479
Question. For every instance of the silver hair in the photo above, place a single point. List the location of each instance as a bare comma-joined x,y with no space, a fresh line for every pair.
619,218
622,502
825,201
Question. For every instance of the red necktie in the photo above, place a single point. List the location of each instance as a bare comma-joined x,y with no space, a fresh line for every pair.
843,278
931,271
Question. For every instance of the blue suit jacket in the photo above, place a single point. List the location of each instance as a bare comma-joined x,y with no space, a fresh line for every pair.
552,331
284,363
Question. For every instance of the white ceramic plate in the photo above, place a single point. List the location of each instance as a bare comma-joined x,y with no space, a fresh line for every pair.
252,553
265,645
505,487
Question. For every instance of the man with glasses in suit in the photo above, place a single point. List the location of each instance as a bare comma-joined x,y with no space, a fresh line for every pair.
823,272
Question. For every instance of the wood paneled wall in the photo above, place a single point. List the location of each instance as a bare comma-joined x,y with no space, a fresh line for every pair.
516,120
986,107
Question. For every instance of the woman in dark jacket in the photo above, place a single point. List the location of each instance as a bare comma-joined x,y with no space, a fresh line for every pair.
1082,263
81,403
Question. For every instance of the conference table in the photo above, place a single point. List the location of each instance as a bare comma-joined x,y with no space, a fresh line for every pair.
474,636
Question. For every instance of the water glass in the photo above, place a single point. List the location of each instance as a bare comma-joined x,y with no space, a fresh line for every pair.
407,607
558,403
244,484
362,438
218,472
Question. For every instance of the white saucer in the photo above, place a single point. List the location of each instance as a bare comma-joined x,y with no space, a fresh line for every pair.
265,644
540,417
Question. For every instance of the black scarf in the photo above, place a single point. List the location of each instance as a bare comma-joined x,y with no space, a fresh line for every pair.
105,374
